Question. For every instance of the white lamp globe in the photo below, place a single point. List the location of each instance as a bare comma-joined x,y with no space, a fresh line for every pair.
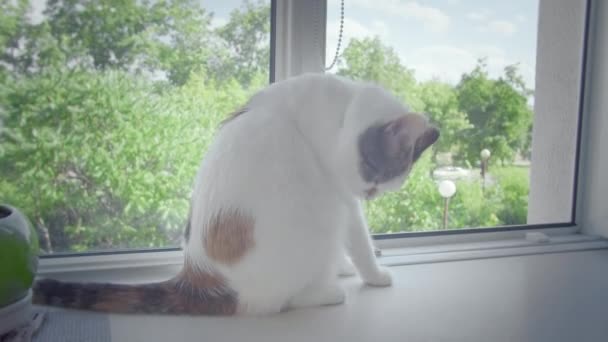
447,188
485,154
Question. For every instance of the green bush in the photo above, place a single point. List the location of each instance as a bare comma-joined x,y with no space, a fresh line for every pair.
471,207
99,156
419,207
105,160
514,185
98,160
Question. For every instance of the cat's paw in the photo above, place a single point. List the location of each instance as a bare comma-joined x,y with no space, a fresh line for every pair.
333,295
382,277
346,268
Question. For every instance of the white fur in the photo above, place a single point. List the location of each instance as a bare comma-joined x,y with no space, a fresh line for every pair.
291,161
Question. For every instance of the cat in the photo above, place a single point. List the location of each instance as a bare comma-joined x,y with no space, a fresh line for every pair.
277,204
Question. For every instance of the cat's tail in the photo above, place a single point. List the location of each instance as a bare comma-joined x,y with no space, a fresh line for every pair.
187,294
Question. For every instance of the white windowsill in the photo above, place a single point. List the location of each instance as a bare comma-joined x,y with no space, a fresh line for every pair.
489,249
530,296
536,298
121,266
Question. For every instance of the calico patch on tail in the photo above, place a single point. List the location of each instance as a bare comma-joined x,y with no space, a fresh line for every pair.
189,293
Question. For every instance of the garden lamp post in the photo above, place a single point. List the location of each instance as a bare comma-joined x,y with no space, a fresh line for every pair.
447,189
485,156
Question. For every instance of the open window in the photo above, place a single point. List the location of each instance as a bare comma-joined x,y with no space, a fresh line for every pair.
108,107
106,111
493,78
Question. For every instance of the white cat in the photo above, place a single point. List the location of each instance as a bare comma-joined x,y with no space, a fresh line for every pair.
276,203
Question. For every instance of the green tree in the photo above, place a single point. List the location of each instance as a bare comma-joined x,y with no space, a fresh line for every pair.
170,37
103,30
440,103
12,20
498,111
101,156
97,155
369,59
181,42
246,37
12,25
98,161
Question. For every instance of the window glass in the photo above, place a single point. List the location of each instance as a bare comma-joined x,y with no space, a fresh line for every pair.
107,107
470,66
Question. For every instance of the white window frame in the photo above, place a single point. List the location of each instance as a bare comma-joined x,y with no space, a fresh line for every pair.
299,47
561,32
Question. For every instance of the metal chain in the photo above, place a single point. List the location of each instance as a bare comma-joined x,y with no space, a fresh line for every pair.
337,55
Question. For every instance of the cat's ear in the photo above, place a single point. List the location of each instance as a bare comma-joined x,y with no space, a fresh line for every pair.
428,138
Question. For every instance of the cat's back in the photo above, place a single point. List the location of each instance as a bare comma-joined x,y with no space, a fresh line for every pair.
260,153
267,127
302,90
263,151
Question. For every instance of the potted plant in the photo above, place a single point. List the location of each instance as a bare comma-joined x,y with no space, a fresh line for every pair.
18,265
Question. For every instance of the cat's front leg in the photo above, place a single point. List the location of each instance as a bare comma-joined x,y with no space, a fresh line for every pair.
361,250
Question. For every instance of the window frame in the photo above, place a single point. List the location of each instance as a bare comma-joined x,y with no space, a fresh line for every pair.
308,33
292,39
593,183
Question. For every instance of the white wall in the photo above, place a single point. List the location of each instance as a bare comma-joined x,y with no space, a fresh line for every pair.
556,106
593,207
300,46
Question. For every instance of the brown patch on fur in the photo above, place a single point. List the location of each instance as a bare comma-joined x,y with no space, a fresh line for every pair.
229,236
234,115
191,292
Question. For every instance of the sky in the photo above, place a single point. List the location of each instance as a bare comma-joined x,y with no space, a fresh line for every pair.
444,38
439,39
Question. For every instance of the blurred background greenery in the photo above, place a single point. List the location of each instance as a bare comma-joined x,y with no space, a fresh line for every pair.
107,107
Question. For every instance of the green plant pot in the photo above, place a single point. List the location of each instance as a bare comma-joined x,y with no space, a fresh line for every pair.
18,264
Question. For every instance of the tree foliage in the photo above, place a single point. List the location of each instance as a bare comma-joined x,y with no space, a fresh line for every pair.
12,25
368,59
107,107
95,152
440,103
246,38
498,112
101,161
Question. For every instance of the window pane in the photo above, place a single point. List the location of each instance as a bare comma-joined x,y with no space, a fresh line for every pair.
107,107
470,66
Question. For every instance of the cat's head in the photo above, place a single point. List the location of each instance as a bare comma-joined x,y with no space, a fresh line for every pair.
380,143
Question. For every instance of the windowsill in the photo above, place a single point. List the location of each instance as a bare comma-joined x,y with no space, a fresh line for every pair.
119,266
558,297
489,249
